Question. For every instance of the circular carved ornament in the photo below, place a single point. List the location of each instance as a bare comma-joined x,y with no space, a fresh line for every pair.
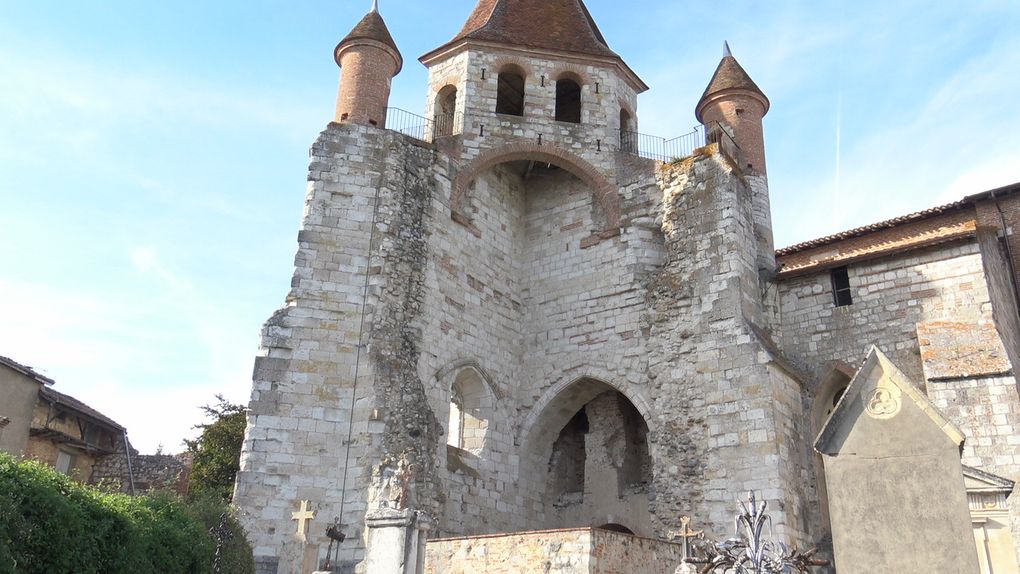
883,403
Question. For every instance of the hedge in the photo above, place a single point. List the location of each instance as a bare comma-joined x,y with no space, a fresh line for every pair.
50,523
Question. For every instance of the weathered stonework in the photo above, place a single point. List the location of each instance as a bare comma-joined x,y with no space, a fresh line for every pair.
523,326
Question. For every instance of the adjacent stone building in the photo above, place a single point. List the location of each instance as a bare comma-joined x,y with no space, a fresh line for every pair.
76,439
518,314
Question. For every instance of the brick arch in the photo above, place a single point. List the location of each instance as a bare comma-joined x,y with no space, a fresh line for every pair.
502,64
605,193
572,73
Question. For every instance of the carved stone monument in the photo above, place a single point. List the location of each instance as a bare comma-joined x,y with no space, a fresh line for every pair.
897,501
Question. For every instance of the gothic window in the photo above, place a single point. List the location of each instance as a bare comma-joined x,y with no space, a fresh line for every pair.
568,101
445,110
510,92
470,411
841,294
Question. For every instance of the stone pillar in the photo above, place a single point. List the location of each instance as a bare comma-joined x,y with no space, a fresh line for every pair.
396,541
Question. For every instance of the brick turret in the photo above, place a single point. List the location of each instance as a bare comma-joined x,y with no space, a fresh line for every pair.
735,101
368,59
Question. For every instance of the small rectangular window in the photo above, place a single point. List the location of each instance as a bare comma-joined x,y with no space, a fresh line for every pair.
65,462
841,295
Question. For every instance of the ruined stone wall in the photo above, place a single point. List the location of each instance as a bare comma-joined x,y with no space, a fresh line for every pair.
154,472
727,413
891,295
363,221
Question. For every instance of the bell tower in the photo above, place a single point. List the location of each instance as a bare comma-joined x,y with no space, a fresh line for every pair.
368,59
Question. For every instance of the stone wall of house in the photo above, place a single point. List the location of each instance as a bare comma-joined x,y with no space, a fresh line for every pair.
578,551
891,295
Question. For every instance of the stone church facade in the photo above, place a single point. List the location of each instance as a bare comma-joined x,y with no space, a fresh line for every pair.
507,317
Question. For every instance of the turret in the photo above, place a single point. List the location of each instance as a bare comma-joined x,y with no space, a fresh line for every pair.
368,60
734,101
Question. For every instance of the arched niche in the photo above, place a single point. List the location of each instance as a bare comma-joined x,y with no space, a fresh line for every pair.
445,111
568,98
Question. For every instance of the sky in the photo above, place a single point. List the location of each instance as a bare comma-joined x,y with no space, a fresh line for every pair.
153,155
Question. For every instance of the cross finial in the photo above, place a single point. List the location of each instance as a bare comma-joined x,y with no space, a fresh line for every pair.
726,49
375,5
686,534
303,516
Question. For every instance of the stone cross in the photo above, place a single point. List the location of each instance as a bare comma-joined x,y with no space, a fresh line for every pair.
686,534
303,515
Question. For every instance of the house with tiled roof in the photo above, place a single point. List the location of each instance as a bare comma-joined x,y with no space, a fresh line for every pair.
524,336
66,433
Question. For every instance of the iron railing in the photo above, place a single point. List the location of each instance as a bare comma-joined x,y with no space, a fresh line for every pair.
642,145
420,127
669,149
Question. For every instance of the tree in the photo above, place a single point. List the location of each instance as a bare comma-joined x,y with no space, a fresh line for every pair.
217,451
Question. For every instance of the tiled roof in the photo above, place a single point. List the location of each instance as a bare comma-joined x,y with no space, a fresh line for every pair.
561,25
860,231
74,404
26,370
371,27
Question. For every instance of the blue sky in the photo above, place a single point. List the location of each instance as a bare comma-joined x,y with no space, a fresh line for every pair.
153,155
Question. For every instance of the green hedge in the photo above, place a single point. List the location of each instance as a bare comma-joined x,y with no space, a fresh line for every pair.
50,523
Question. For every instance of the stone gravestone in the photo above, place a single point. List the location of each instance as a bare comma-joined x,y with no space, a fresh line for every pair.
897,500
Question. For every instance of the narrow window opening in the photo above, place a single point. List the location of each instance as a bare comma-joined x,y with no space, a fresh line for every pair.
510,94
568,101
455,438
628,138
445,111
841,287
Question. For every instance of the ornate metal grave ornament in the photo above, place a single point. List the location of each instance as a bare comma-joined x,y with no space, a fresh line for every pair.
221,534
335,533
749,551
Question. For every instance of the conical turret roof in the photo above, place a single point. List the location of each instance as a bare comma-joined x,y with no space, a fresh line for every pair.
372,27
730,75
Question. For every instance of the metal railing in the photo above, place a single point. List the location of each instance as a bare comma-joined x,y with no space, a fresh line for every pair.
669,149
420,127
642,145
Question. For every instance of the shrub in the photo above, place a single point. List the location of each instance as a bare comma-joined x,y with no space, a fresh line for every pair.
49,523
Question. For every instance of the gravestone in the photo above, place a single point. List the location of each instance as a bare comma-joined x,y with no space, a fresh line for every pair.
897,501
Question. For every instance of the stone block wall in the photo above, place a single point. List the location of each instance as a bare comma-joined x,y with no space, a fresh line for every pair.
603,93
891,295
577,551
150,472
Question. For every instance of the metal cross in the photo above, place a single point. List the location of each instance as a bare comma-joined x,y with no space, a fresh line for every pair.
303,516
686,534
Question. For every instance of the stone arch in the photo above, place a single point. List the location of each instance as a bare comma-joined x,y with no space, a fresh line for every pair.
445,110
605,193
510,63
576,75
585,467
511,89
483,423
829,390
569,395
442,374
